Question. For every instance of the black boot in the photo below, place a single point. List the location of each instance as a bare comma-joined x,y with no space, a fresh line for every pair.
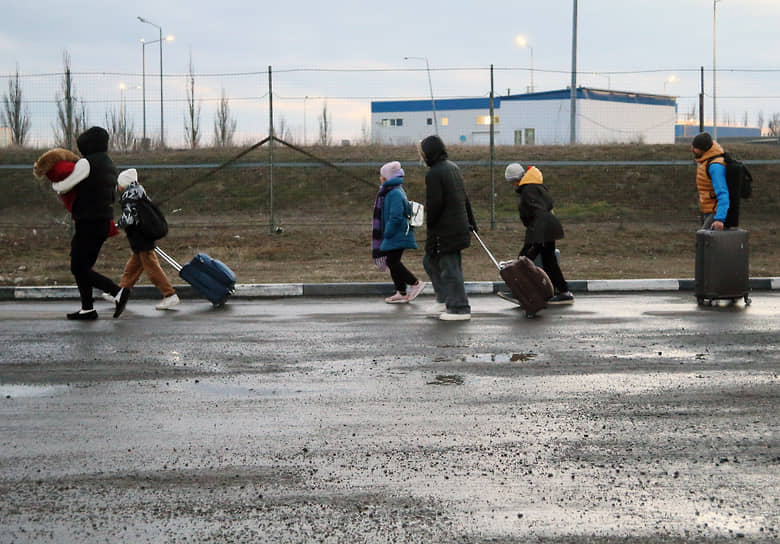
88,315
124,296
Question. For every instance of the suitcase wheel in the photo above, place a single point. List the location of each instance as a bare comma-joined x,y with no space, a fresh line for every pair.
530,315
748,300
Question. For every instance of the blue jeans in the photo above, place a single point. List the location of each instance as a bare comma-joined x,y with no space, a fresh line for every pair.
446,273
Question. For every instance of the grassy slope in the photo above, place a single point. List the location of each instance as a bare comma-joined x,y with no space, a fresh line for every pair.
621,221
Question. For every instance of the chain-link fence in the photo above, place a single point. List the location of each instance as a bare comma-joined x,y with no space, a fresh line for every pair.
333,106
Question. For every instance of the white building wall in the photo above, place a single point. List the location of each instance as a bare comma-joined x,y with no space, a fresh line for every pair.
548,118
603,122
461,127
546,121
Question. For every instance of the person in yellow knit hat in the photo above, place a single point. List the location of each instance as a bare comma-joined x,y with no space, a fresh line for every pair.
542,228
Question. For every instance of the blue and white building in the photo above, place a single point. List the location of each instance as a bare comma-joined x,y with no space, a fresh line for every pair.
542,118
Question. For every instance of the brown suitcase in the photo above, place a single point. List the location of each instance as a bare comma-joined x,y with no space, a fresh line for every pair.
529,284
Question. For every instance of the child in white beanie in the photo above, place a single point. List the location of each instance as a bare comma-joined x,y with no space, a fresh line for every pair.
137,208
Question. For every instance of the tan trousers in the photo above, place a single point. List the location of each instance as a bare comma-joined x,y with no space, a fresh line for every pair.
146,261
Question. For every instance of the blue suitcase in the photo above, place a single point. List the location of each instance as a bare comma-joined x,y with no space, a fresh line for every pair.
210,277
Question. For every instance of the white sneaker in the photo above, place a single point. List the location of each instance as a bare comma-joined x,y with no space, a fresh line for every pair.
437,308
415,290
397,298
168,302
108,297
446,316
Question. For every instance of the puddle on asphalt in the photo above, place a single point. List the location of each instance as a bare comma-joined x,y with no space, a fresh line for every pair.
499,357
447,379
653,352
30,391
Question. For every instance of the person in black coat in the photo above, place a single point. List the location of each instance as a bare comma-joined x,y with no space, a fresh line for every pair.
542,228
92,212
449,224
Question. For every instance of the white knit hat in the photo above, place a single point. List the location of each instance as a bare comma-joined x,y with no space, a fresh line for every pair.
514,171
391,170
127,178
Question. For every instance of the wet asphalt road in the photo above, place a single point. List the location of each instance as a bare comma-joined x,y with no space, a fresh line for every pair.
621,419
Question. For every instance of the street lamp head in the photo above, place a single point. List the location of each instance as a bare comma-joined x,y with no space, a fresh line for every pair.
169,38
521,41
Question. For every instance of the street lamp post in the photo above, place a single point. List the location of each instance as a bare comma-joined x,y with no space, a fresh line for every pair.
430,86
522,41
143,44
714,71
671,79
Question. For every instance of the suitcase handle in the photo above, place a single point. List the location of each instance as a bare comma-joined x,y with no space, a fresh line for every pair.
495,262
168,259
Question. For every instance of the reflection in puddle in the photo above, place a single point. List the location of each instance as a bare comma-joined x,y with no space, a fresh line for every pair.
27,391
447,379
499,357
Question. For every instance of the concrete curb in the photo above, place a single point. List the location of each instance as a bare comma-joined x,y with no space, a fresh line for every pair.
276,290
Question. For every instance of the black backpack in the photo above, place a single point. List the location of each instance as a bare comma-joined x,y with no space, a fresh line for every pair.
151,221
739,182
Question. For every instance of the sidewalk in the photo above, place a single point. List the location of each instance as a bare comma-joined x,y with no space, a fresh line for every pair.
269,290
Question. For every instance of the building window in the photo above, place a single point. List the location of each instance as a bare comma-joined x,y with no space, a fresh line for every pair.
525,136
429,121
391,122
485,119
445,121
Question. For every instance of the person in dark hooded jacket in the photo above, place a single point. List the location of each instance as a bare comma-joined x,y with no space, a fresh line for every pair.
449,224
92,212
542,228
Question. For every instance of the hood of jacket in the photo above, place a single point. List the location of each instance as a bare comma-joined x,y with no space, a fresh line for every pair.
93,140
716,149
432,150
393,182
47,161
532,175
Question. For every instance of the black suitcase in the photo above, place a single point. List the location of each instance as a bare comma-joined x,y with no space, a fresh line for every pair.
210,277
722,266
529,284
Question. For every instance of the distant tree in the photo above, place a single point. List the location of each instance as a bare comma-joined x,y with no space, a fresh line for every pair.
192,117
282,130
224,124
71,112
774,125
745,121
15,115
365,135
326,126
121,131
760,120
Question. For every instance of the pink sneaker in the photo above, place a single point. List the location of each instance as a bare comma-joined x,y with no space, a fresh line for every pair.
397,298
415,290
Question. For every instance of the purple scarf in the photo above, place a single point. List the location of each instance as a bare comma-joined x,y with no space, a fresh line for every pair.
378,228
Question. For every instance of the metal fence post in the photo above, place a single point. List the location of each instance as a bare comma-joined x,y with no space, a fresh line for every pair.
271,137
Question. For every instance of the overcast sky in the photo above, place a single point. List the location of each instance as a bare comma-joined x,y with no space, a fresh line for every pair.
653,39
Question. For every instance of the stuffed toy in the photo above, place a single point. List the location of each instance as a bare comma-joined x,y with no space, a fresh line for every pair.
56,165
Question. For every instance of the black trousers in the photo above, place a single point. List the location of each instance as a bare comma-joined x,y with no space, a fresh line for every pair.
84,250
398,272
549,263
